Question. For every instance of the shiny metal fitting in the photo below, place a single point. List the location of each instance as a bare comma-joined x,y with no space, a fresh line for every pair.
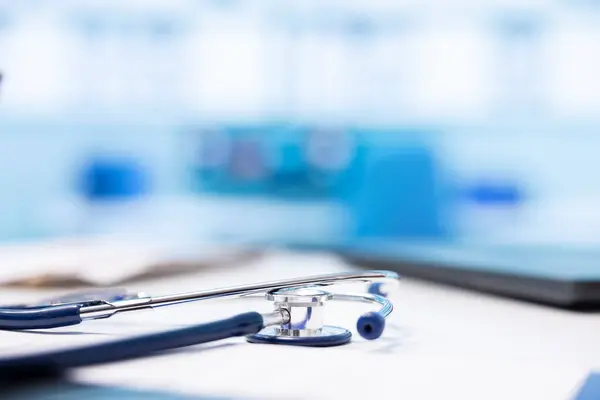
305,309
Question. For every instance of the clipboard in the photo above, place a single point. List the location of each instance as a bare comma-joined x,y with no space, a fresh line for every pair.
559,276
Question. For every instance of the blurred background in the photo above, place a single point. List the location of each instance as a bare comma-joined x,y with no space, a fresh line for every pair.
425,126
312,123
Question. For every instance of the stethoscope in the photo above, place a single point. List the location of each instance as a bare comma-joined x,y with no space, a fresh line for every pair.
296,319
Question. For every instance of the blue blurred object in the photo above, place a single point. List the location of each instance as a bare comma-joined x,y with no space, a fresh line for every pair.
232,160
272,161
491,192
590,389
387,183
113,179
399,194
117,191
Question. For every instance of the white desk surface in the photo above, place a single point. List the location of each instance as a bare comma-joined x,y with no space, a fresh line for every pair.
440,343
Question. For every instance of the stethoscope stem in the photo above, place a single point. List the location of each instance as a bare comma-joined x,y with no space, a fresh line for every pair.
278,317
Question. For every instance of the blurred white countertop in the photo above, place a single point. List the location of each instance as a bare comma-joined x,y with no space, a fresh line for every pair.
439,343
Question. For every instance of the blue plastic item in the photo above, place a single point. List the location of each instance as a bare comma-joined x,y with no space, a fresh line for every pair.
371,325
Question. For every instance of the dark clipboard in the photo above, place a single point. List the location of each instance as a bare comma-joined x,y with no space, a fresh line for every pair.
561,276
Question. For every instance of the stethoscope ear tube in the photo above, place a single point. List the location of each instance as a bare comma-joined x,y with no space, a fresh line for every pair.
43,317
135,347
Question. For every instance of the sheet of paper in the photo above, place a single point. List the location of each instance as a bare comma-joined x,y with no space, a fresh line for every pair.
100,261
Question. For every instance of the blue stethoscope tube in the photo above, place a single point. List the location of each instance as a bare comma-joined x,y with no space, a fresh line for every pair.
130,348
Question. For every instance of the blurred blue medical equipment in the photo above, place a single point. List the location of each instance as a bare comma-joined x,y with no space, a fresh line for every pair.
296,319
272,161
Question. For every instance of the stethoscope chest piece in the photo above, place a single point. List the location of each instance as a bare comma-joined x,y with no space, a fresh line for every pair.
305,307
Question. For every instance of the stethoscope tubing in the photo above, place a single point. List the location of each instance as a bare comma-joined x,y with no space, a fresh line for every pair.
55,361
369,325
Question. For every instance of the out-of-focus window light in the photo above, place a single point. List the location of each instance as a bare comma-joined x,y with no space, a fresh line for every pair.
453,80
321,90
573,65
36,54
227,56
